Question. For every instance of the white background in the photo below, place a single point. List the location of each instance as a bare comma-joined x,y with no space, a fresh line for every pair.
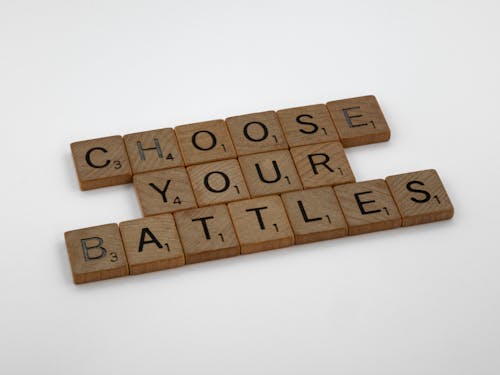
420,300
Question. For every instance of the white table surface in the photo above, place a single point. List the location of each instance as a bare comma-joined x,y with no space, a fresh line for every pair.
420,300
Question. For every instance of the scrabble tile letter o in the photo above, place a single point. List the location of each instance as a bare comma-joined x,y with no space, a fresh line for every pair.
256,132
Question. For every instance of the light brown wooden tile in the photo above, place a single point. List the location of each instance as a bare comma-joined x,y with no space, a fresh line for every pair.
323,164
164,191
152,244
368,206
96,253
205,141
261,224
256,132
314,214
101,162
307,125
359,121
207,233
420,196
153,150
270,173
218,182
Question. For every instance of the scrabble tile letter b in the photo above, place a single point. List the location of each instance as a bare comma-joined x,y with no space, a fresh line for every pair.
359,121
101,162
96,253
421,197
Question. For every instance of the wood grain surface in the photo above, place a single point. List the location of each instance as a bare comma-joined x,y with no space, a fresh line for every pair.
101,162
151,244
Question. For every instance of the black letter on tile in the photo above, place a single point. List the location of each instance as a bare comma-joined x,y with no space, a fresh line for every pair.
265,132
213,190
427,196
276,169
259,216
361,203
92,164
204,224
325,158
162,192
313,125
152,240
86,248
304,213
348,117
157,148
212,137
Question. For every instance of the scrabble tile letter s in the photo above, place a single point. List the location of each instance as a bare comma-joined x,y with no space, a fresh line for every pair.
101,162
421,197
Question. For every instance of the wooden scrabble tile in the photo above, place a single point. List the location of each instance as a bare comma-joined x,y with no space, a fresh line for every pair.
314,214
323,164
218,182
205,141
256,132
307,125
368,206
152,244
164,191
261,224
359,121
153,150
207,233
270,173
101,162
420,196
96,253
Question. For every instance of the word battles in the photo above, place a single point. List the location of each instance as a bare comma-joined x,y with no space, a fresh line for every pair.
245,184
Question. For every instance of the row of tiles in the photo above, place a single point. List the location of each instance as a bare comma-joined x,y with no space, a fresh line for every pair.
257,224
275,172
113,160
